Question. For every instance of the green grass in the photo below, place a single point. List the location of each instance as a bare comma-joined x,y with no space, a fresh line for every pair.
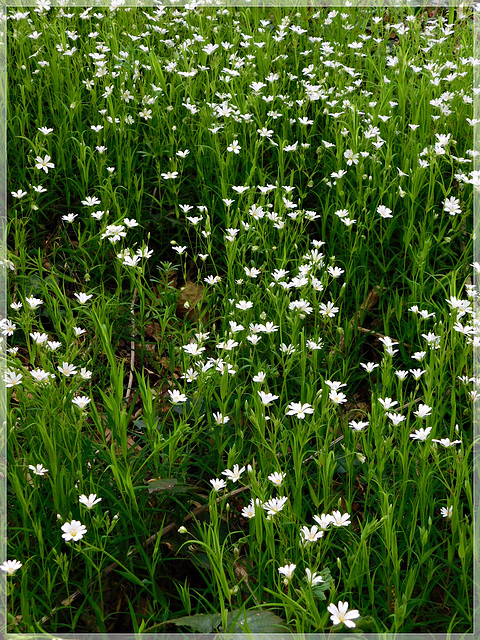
330,257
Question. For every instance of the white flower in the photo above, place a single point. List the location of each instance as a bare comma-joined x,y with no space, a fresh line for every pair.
18,194
384,211
287,570
249,511
235,147
40,375
421,434
218,484
370,366
44,164
235,474
176,396
341,614
39,338
311,535
423,411
446,442
90,501
74,530
299,410
10,566
387,403
274,506
446,513
193,349
340,520
324,520
337,397
277,478
8,327
313,578
267,398
67,369
39,470
357,426
33,303
261,375
83,297
219,419
81,401
244,305
11,378
179,249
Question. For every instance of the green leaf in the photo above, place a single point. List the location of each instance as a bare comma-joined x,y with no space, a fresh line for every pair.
253,621
202,622
162,484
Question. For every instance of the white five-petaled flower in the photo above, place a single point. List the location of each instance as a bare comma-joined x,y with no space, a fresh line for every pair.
90,501
40,375
244,305
176,396
12,378
39,338
387,403
219,419
299,410
73,530
311,535
357,426
267,398
10,566
423,411
33,303
277,478
67,369
421,434
193,349
249,510
38,470
235,474
384,211
313,578
340,520
83,297
341,613
337,397
274,505
448,512
235,147
44,164
81,401
287,571
218,484
324,520
446,442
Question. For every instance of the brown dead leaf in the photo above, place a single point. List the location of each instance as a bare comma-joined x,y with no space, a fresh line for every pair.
188,304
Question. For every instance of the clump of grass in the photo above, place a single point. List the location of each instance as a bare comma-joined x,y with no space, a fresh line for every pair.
240,316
